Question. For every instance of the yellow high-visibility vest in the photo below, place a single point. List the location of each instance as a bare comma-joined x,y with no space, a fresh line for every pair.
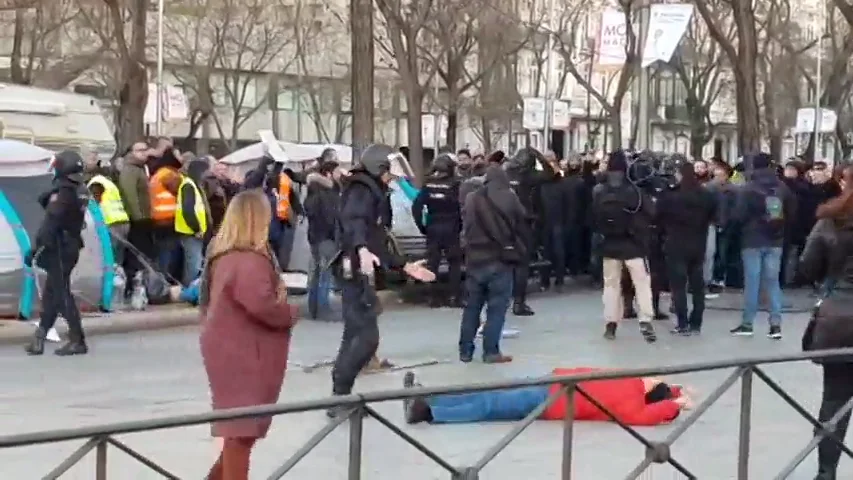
200,211
111,205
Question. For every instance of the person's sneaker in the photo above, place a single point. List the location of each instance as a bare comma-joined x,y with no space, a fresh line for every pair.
742,331
695,331
416,409
648,332
629,314
709,295
715,289
497,358
775,332
466,357
684,332
610,330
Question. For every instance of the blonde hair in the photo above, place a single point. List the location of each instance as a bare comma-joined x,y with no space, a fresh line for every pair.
246,225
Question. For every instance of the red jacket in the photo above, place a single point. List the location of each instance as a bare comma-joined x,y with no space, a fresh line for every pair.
625,398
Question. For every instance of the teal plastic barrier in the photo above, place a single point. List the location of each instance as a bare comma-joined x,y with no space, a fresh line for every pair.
108,258
28,289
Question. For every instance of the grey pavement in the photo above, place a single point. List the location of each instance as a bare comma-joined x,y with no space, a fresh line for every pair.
145,374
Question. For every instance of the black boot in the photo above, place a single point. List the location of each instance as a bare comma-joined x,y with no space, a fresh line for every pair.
36,345
522,309
72,347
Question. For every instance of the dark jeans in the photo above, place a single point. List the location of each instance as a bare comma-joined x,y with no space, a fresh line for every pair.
360,338
56,298
788,268
446,245
489,286
837,391
142,238
554,238
573,241
728,269
687,271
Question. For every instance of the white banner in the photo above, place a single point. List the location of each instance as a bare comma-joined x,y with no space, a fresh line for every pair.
667,24
560,116
806,120
612,38
533,115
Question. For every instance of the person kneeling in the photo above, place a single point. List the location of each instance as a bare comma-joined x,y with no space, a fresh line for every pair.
633,401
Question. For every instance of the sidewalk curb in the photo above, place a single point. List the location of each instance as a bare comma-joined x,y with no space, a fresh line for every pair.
15,332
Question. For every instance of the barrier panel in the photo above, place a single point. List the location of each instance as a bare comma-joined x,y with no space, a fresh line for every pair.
745,370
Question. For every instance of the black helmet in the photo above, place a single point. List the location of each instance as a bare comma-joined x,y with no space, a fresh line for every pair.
376,159
67,163
444,164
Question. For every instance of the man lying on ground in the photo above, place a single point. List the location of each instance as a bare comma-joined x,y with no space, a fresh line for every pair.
633,401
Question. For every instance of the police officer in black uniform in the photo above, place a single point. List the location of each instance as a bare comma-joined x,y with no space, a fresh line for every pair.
525,181
440,196
364,214
57,249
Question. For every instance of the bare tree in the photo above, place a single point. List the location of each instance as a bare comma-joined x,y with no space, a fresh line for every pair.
472,41
39,30
121,26
576,50
257,38
192,50
742,53
404,36
700,65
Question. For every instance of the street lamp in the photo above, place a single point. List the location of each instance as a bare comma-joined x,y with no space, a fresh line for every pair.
158,125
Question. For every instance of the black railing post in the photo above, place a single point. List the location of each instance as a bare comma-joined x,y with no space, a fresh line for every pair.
101,460
745,424
356,422
568,431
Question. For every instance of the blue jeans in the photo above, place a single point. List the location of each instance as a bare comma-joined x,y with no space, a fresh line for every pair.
193,258
489,286
499,405
320,276
761,268
190,293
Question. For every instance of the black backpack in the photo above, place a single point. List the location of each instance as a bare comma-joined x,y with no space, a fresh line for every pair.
612,217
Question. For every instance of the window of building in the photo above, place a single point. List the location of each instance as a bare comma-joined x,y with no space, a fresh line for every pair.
286,99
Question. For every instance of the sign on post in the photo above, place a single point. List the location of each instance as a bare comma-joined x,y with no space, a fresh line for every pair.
533,115
806,120
560,116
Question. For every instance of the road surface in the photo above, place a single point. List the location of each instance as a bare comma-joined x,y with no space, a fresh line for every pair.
136,376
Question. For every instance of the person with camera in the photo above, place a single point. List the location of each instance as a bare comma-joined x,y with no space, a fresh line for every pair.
621,215
492,233
685,214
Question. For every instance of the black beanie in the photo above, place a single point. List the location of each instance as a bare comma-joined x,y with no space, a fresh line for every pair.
617,161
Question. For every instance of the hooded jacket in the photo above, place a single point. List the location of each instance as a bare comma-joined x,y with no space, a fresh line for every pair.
481,223
750,210
321,207
634,245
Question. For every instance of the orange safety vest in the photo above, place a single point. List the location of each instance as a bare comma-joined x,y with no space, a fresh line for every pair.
163,203
282,209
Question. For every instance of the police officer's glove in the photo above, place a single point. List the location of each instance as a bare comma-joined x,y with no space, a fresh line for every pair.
28,258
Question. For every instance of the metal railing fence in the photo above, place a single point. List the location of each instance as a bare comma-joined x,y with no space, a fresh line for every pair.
99,438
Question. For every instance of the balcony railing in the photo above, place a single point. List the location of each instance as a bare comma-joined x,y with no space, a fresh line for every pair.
745,370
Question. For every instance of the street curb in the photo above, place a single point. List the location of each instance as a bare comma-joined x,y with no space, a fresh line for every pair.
15,332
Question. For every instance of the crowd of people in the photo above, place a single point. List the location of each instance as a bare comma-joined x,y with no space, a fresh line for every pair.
638,223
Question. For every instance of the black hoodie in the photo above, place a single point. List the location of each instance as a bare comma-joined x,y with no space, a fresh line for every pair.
485,236
321,207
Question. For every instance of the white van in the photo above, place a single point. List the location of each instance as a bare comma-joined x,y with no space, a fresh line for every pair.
55,119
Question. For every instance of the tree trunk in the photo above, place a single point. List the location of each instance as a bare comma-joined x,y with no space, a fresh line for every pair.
746,77
486,126
361,78
452,118
414,99
16,57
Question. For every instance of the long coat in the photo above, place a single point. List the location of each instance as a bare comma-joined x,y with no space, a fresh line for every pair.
245,338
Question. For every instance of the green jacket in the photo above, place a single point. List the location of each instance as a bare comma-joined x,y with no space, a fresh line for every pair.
133,183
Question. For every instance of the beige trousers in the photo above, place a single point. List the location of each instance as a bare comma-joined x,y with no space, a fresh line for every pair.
612,293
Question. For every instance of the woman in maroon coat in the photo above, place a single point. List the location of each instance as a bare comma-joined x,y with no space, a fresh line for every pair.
245,329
